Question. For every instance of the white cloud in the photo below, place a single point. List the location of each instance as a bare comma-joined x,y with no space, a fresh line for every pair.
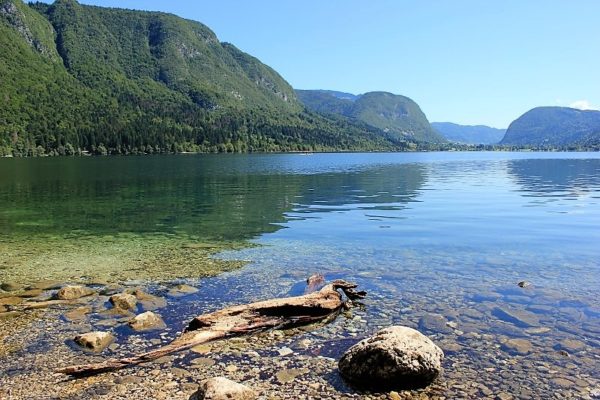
583,105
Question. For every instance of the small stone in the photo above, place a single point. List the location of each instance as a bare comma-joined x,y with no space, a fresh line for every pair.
11,286
285,351
537,331
124,301
572,345
73,292
288,375
519,346
394,396
30,293
182,290
524,284
503,396
77,314
231,368
562,382
179,372
95,341
201,349
204,361
146,321
149,302
10,315
10,301
434,323
46,285
223,389
520,318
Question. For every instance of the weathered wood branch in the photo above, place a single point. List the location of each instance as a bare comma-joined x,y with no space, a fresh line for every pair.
240,320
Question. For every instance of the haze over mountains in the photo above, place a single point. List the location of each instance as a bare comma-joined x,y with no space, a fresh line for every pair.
469,134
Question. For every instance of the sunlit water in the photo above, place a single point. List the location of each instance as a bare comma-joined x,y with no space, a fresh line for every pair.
440,241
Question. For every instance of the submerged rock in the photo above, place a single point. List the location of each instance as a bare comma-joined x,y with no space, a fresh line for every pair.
520,318
74,292
149,302
223,389
434,323
146,321
571,345
10,286
10,315
182,290
10,301
77,314
95,341
30,293
124,301
394,358
519,346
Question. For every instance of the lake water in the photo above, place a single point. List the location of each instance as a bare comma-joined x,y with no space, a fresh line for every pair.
439,240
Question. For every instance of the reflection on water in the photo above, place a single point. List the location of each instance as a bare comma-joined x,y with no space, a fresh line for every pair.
439,240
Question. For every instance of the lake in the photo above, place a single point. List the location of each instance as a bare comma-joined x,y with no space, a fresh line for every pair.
439,241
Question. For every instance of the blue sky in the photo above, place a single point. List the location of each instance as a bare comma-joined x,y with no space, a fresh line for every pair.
465,61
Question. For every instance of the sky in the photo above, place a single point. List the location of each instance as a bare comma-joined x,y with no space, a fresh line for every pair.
464,61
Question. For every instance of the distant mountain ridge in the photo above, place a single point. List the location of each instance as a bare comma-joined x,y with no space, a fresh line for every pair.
396,115
469,134
554,126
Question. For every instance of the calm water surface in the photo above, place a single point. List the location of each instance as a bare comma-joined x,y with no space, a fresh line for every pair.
440,241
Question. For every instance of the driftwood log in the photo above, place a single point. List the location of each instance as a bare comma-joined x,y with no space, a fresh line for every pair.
246,319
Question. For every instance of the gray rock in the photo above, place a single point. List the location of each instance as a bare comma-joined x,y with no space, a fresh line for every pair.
394,358
124,301
73,292
95,341
146,321
223,389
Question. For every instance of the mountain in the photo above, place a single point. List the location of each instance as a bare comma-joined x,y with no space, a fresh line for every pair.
469,134
400,117
554,126
104,80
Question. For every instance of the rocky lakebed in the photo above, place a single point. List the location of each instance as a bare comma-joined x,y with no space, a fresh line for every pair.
492,349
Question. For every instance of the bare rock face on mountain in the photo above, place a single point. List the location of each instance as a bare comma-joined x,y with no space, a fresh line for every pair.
394,358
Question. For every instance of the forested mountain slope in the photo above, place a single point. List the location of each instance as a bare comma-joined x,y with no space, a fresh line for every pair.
83,78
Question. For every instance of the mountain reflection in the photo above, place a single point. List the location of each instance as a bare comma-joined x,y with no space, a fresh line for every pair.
222,198
554,177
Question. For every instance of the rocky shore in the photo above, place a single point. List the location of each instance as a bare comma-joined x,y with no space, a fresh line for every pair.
493,350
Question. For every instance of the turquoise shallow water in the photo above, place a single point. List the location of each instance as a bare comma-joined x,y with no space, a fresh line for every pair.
440,241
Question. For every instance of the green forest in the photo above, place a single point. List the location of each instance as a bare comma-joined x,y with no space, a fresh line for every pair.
89,80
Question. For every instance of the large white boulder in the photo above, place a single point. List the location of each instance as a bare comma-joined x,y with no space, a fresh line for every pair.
397,357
